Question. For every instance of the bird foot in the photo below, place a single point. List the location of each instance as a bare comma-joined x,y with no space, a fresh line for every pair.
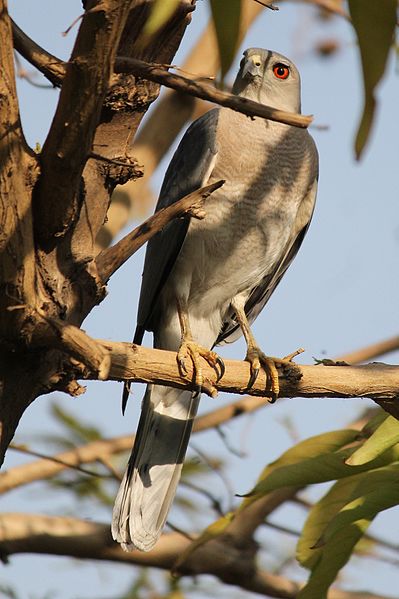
190,349
258,359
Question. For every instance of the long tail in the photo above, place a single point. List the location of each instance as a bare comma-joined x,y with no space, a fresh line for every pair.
149,484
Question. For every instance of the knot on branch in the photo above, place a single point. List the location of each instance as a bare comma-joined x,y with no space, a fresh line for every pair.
119,169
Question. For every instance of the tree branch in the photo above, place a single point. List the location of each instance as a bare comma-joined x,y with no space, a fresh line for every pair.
70,138
375,381
371,351
96,450
31,533
50,66
160,74
110,259
168,116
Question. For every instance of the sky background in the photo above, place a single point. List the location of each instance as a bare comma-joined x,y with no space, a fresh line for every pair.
340,294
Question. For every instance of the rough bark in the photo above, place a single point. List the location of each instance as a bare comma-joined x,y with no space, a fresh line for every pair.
52,205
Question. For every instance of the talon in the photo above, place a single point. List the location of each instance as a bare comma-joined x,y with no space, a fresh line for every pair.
182,365
253,377
222,367
197,391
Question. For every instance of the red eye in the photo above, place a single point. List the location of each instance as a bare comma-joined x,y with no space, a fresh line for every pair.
281,71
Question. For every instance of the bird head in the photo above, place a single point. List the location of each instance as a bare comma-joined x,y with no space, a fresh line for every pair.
269,78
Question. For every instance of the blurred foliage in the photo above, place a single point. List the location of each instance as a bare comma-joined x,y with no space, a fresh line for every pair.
374,24
227,28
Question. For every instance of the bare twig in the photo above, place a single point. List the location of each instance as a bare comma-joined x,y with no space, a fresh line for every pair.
110,259
97,450
44,458
267,4
157,73
371,351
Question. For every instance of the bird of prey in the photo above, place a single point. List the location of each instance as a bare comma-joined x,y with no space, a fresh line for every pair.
205,281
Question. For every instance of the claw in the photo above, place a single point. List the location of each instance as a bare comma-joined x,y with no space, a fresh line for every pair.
182,365
253,377
222,367
197,391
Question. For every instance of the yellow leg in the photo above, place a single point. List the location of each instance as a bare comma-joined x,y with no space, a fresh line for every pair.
190,349
256,357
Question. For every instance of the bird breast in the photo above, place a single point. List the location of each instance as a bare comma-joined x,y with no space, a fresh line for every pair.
250,219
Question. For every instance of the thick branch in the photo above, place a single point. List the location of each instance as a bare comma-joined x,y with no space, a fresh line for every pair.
31,533
109,260
70,139
161,75
376,381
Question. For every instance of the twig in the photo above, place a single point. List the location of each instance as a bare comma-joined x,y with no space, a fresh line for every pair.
110,259
156,73
371,351
126,164
97,450
267,4
54,459
215,503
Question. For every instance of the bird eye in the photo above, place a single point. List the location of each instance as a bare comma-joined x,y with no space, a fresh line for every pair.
281,71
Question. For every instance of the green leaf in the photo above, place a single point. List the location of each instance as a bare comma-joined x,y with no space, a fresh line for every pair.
161,11
333,557
335,525
313,455
386,435
376,491
319,517
315,460
226,18
374,23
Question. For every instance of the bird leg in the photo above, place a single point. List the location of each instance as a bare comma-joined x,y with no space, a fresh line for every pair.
256,357
190,349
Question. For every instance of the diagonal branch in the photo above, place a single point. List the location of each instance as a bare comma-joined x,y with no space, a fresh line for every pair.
110,259
33,533
51,67
160,74
169,115
90,452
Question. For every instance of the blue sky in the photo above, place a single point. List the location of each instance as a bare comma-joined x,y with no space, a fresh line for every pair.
341,293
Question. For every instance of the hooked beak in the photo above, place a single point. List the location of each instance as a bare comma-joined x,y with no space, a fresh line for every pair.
252,67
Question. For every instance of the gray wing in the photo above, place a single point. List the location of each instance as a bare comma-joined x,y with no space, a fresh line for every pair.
187,172
261,294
